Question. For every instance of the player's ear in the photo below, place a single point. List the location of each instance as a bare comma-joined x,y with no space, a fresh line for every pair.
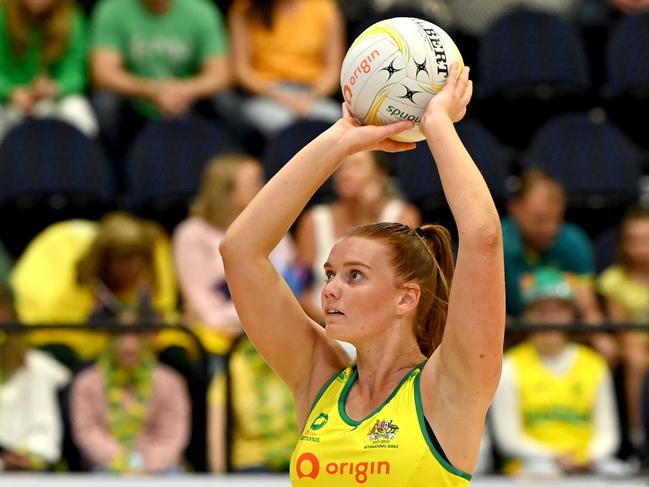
408,298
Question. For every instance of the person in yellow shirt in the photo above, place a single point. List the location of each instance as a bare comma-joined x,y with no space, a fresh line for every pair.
411,410
73,271
286,56
554,412
624,286
258,409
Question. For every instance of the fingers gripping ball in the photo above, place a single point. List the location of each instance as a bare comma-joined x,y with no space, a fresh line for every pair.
393,69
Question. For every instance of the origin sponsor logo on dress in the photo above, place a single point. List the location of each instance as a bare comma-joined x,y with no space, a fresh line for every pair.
309,465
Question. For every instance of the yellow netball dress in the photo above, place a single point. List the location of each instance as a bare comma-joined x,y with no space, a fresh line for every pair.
393,446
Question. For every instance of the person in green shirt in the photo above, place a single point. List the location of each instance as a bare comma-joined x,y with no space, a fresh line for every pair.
536,235
43,54
163,56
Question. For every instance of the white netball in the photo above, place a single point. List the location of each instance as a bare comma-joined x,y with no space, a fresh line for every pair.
393,69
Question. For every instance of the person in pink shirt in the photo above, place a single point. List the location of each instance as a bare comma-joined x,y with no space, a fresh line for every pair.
129,413
229,184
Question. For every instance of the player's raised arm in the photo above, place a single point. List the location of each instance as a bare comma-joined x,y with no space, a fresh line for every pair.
271,316
470,356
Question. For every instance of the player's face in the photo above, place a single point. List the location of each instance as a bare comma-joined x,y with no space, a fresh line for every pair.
635,241
539,216
354,175
361,291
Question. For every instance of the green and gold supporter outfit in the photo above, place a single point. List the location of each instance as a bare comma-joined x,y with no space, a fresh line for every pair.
393,446
557,410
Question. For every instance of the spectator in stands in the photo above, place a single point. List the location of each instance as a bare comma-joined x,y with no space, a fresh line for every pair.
624,287
364,194
554,411
129,413
153,59
77,270
535,234
5,265
287,56
229,184
118,268
30,420
630,6
43,48
263,423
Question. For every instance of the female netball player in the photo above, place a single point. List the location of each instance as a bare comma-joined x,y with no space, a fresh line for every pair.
411,410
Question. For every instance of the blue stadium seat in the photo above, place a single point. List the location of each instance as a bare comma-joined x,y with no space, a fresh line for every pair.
50,171
287,143
165,164
531,65
605,245
597,164
627,75
417,175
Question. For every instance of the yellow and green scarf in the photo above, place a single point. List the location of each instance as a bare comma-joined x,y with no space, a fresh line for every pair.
125,423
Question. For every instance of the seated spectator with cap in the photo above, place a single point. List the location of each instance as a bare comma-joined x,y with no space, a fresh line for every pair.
554,412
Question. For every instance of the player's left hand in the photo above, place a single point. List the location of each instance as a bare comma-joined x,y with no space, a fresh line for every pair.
355,137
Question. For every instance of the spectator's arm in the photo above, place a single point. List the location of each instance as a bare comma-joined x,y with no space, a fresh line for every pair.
163,449
70,76
329,79
587,301
507,421
108,72
42,442
90,435
213,77
107,62
198,281
615,311
607,432
215,72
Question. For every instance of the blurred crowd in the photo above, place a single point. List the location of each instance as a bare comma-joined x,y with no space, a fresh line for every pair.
138,400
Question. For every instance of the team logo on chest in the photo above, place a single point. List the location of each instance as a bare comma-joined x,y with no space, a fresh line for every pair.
382,435
383,429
